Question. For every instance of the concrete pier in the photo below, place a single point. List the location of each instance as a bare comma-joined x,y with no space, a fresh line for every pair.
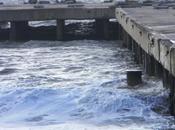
152,39
19,15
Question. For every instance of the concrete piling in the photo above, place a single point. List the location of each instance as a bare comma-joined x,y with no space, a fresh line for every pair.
102,28
136,53
135,50
165,78
106,31
140,60
129,42
158,69
119,32
98,28
60,29
172,94
149,64
18,30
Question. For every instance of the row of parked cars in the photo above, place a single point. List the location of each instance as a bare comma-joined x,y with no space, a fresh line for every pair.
48,2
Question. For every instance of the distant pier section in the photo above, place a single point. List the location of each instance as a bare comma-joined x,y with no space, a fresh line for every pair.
19,15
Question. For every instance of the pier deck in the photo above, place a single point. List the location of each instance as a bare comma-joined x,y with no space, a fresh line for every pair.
57,11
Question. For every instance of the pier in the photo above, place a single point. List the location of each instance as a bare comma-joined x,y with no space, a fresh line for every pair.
150,34
19,16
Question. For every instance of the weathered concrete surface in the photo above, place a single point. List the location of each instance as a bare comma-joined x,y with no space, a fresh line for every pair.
153,30
58,11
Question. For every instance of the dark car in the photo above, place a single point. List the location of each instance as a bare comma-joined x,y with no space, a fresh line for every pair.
33,1
68,1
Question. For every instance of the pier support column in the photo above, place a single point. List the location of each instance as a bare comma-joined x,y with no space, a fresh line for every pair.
106,29
18,30
119,31
60,29
133,45
158,69
149,64
98,28
137,53
172,94
140,60
129,42
165,78
124,33
102,28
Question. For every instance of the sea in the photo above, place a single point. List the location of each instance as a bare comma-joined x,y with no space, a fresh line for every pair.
76,85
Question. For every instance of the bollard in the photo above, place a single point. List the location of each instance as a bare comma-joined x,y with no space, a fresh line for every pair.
134,77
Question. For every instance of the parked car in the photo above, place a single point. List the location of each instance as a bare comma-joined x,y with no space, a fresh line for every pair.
32,1
68,1
108,1
43,2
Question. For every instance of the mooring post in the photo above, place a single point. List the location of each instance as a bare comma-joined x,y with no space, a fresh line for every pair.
134,77
60,29
18,30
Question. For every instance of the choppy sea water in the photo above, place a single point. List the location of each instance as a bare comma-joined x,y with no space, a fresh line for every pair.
76,85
